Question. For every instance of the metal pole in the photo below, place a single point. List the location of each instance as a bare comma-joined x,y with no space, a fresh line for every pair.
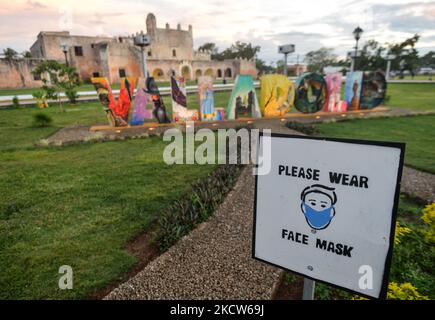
352,64
144,62
66,58
308,293
285,64
297,65
387,76
356,53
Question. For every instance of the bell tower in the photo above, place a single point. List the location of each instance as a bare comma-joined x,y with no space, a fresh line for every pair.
151,24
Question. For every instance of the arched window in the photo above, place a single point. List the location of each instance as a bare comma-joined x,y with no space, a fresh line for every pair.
209,72
228,73
174,53
158,74
198,73
185,72
219,73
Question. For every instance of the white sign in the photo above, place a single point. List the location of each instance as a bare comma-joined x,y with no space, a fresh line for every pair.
288,48
327,209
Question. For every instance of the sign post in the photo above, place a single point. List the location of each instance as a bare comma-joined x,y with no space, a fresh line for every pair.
308,293
286,49
326,209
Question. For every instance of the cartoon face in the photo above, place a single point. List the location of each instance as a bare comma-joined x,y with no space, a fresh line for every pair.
318,205
318,201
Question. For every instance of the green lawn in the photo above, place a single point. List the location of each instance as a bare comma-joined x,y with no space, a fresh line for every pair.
417,77
77,205
418,132
416,96
13,92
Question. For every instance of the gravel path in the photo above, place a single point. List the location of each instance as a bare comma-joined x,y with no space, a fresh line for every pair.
418,184
212,262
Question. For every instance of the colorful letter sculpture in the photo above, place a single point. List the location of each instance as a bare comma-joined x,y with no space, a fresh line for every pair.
352,90
277,95
180,113
310,92
374,87
142,106
206,99
159,110
243,101
333,85
116,111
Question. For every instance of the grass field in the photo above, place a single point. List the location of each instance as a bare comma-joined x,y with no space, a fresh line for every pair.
417,77
417,96
418,132
77,205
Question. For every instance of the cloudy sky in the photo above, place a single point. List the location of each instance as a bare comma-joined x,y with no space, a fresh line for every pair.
308,24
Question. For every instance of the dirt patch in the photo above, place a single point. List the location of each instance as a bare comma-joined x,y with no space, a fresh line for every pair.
289,291
144,250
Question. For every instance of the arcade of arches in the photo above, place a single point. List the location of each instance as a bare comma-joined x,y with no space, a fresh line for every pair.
188,74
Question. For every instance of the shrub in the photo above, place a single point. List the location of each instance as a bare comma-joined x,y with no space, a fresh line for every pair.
400,231
196,206
72,95
42,119
15,102
301,127
404,291
41,101
429,218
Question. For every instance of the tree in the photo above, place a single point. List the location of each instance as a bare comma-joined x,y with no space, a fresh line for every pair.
10,53
428,60
209,46
263,68
318,59
239,49
371,57
406,56
58,77
27,54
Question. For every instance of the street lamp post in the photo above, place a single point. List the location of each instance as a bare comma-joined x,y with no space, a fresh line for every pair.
142,40
65,48
389,58
357,35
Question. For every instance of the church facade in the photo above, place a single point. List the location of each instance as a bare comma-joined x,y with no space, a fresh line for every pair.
171,52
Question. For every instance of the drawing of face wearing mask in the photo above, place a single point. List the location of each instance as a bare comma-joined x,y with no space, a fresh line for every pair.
318,205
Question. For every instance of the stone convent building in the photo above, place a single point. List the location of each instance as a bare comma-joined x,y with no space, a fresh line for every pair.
171,52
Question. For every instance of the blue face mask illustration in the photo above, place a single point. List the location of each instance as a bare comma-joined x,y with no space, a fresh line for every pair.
318,219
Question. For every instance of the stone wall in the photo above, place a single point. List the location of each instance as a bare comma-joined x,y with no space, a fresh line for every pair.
123,56
48,45
167,43
17,73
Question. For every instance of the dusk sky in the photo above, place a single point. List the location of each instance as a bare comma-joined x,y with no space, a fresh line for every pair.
308,24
